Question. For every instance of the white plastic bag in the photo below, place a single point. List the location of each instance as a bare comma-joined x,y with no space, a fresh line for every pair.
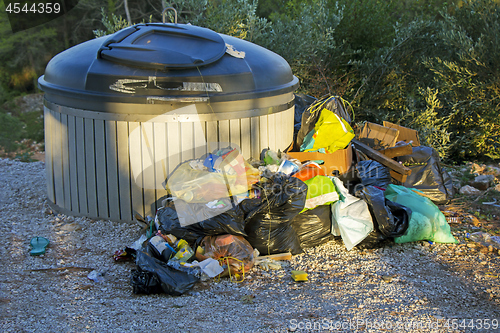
351,217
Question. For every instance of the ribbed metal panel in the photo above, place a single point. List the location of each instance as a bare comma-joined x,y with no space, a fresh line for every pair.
91,163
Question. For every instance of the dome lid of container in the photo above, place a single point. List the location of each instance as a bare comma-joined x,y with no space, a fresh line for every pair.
162,46
155,62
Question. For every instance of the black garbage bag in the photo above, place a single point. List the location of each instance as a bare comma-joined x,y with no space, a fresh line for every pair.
427,175
269,217
228,222
145,282
390,218
374,240
373,173
313,227
153,276
302,102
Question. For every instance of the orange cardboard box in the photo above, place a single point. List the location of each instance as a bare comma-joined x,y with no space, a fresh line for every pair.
405,134
378,136
340,160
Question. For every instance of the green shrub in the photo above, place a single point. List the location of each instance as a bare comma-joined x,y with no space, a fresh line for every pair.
10,131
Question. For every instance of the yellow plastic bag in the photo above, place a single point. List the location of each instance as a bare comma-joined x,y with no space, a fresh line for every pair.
331,132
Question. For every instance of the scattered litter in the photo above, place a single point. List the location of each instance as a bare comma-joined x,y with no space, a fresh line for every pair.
247,299
223,211
39,245
268,264
128,254
138,243
492,203
211,267
485,239
299,276
387,278
96,276
278,256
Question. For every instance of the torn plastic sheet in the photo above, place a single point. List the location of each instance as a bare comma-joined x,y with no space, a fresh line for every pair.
130,86
231,51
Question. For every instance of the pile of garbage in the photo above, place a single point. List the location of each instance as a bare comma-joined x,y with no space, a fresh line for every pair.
224,214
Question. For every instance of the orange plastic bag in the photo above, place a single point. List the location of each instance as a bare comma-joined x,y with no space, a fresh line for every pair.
309,171
234,254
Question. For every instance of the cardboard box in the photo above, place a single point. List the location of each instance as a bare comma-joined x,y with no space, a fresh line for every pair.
405,134
378,136
340,160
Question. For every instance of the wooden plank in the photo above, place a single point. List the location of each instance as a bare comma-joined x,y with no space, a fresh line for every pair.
90,167
381,158
100,168
112,171
279,130
123,162
235,133
278,256
399,177
397,151
173,145
148,167
271,128
255,138
212,136
65,161
224,133
187,141
136,181
264,136
57,161
73,164
200,140
81,165
49,139
245,138
161,162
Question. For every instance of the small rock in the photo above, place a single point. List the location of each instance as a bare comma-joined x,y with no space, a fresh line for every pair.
492,170
469,190
387,278
483,182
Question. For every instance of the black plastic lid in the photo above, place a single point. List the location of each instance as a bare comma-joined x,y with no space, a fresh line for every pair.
164,63
161,46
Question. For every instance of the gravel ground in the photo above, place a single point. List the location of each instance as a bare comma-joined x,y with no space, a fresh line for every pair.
410,287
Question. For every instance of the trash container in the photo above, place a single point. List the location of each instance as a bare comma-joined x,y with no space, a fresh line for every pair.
122,111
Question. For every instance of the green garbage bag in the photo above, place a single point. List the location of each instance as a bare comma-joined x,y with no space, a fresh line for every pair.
426,222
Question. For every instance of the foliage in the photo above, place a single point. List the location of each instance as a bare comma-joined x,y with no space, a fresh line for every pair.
10,131
440,77
112,24
432,65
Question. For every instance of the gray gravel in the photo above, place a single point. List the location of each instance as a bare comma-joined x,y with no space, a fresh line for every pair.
408,287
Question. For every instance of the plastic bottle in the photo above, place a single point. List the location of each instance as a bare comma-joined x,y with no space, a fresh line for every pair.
184,251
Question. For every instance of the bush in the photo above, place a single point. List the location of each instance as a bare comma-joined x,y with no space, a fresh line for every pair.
10,131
